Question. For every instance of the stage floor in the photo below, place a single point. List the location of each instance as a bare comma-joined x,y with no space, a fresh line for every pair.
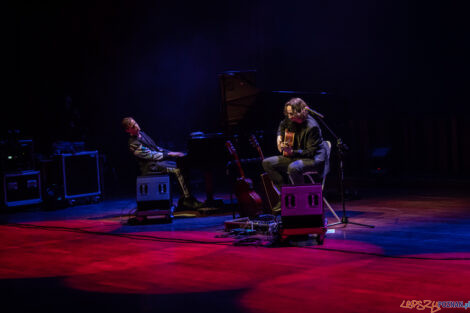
87,259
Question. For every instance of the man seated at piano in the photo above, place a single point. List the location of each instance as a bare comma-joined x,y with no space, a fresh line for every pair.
299,140
154,159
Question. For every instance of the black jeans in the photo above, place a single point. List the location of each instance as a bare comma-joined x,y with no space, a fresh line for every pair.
278,167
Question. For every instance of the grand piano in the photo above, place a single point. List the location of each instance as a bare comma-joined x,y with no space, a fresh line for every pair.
207,151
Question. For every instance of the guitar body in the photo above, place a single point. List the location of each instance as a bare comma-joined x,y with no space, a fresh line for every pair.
249,201
273,195
288,140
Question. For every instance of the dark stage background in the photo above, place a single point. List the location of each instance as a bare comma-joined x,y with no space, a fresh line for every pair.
394,70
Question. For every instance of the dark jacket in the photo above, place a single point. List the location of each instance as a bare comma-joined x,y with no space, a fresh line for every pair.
146,151
308,140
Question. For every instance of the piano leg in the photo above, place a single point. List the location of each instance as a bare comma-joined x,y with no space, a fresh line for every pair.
209,182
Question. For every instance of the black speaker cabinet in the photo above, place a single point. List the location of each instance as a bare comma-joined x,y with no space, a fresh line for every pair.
81,174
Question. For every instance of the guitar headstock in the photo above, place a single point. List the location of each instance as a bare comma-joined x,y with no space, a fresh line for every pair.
234,154
253,141
230,148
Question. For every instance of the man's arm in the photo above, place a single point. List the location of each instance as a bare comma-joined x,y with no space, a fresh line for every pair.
280,136
145,153
279,143
176,154
312,144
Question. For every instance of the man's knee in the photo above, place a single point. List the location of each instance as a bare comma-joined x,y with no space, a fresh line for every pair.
268,163
295,168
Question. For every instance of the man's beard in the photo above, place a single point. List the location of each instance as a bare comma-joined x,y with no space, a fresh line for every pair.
293,126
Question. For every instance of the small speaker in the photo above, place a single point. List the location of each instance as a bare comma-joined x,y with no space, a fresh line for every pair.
302,206
153,192
22,188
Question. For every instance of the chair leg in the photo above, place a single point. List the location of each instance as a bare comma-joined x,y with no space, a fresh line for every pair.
331,209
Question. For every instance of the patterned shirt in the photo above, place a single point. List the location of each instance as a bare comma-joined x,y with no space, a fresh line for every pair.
144,148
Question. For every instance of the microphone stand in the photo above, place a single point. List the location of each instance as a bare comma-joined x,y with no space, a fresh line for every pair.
342,147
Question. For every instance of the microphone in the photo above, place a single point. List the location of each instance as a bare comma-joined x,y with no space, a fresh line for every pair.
314,112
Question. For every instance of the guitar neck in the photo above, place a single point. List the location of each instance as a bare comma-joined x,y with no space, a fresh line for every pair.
256,145
234,154
239,165
260,153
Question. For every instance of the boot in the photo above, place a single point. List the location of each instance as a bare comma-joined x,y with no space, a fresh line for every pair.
188,203
277,209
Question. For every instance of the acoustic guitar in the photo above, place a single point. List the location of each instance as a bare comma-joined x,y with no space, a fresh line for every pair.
249,201
288,141
272,193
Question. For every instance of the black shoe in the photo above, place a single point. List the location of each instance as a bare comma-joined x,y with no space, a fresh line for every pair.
188,203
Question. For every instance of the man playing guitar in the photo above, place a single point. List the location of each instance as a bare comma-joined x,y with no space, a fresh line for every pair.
300,142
